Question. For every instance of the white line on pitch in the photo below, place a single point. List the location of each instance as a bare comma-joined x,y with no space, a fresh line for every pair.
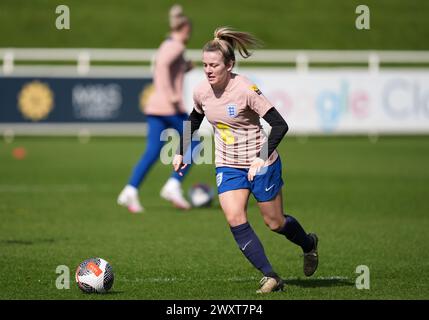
234,279
5,188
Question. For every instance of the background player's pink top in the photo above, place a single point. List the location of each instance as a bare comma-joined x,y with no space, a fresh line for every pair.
170,67
235,116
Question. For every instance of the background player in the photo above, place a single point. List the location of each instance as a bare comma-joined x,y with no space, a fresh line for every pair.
246,161
164,109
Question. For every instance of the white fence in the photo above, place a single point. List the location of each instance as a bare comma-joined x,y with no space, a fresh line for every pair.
301,58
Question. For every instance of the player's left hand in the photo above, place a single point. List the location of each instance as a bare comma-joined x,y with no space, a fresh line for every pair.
255,167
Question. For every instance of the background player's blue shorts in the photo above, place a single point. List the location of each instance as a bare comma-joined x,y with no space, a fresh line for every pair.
264,187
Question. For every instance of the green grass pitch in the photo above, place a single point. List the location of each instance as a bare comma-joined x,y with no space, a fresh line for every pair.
368,202
292,24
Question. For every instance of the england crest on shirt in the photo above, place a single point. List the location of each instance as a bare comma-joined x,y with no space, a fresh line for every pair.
231,110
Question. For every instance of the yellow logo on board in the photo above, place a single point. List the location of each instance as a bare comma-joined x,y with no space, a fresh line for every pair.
144,96
35,100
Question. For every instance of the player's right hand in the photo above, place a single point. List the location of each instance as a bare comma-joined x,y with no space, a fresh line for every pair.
254,169
178,164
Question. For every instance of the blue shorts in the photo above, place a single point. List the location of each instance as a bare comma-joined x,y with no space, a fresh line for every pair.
264,187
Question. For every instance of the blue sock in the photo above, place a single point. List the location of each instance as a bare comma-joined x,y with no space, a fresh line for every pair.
252,248
296,234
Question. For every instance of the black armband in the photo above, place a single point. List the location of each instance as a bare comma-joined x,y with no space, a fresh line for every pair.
279,128
195,120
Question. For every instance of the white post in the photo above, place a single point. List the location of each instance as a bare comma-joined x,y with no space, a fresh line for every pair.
8,62
152,63
373,63
83,63
84,135
302,63
8,135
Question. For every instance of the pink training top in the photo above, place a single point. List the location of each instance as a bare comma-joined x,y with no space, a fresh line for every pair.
170,67
235,116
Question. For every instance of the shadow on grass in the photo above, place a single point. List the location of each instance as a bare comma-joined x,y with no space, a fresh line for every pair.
317,283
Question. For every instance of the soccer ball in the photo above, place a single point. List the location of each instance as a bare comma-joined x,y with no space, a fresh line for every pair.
94,275
201,195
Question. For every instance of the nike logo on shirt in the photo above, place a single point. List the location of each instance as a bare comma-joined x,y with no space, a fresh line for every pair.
268,189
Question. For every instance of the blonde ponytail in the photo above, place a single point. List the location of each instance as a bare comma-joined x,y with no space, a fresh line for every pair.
227,40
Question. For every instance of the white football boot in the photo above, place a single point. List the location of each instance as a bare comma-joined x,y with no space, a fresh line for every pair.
129,198
172,191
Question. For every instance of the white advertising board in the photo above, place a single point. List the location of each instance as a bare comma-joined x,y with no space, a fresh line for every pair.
344,101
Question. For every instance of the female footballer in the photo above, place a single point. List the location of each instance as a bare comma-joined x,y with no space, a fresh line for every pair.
246,160
164,109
